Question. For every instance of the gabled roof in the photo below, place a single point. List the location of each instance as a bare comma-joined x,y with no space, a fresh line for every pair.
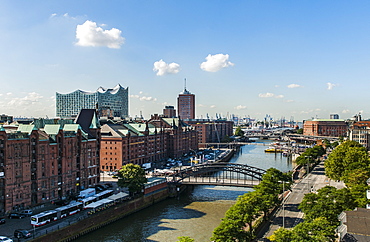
87,120
133,130
26,128
52,129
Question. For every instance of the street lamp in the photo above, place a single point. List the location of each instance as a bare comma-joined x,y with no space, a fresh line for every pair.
283,202
308,171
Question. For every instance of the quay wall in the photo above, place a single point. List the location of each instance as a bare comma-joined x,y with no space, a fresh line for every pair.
102,218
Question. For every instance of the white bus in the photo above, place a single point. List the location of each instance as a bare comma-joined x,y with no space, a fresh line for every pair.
44,218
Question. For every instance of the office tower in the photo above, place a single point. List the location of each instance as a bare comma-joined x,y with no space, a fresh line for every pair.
186,105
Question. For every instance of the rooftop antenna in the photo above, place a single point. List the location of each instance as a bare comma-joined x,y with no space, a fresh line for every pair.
185,84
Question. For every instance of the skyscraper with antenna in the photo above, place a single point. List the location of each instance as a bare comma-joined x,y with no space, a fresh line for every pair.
186,104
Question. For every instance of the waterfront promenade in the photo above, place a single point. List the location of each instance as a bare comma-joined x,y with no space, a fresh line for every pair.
288,214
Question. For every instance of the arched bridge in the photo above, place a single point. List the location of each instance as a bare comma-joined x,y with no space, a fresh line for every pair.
222,173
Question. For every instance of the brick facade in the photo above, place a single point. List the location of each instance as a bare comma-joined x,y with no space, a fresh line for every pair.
325,127
39,165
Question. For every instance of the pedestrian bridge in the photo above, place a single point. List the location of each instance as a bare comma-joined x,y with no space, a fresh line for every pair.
221,174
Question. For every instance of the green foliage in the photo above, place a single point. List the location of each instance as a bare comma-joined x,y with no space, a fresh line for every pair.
131,176
299,131
272,182
327,203
229,231
348,156
250,206
185,239
310,155
318,230
282,235
239,131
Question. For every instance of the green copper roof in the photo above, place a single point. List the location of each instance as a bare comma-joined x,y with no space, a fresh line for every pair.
142,127
94,123
1,128
26,128
52,129
71,127
133,129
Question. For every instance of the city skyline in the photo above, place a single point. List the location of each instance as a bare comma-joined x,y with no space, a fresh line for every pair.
247,58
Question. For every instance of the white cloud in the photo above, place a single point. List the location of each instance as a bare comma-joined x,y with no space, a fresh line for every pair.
212,106
330,85
216,62
289,101
89,34
267,94
9,93
163,68
294,85
31,98
144,98
345,111
240,107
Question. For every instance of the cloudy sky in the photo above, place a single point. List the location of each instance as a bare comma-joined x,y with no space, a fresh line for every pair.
298,59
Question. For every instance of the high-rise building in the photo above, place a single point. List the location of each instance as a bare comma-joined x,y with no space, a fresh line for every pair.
108,102
169,112
334,116
186,105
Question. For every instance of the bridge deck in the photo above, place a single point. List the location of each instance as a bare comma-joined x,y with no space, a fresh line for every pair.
216,181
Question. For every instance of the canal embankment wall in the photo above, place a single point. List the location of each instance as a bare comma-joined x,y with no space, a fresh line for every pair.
102,218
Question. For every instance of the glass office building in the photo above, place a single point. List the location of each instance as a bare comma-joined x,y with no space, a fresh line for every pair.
109,102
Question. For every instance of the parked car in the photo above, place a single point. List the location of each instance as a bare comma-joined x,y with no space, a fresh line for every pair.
26,212
5,239
22,233
15,215
2,220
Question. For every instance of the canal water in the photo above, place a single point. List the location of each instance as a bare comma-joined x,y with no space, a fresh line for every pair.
195,213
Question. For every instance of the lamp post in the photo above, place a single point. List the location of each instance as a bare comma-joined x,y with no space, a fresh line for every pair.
283,202
308,171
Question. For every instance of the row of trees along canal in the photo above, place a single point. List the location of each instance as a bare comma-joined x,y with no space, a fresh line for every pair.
349,162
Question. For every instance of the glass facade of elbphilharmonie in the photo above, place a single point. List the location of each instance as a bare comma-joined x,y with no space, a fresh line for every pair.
109,102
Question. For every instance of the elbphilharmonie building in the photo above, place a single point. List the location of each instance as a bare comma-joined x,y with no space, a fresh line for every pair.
108,102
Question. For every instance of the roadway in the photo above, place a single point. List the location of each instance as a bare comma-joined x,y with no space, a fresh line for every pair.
288,215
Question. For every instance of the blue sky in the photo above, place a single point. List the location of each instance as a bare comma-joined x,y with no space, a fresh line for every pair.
298,59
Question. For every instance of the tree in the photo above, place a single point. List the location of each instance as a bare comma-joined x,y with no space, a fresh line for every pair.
328,203
229,231
282,235
310,155
349,155
319,230
131,176
239,131
185,239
